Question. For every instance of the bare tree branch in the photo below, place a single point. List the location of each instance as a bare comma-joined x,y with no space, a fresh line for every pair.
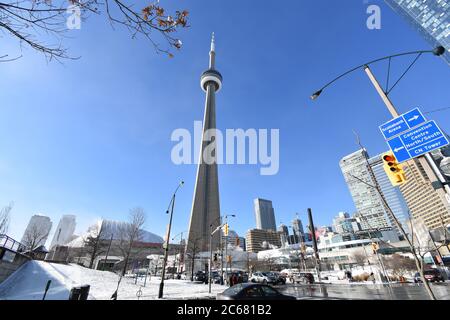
35,23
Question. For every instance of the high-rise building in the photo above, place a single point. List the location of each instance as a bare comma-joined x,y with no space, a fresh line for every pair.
37,231
423,201
359,180
392,195
205,205
297,227
343,223
430,17
233,240
258,240
64,231
284,233
265,215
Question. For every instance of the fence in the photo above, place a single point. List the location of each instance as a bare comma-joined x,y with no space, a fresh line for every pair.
11,244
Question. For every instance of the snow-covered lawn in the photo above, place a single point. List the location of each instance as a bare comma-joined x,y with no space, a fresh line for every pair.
28,283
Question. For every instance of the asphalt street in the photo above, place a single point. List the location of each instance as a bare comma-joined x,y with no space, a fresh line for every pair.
409,291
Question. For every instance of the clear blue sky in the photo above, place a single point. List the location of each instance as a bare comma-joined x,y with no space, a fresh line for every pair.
91,137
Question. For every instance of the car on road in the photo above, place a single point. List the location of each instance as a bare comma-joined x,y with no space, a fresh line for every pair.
279,278
215,276
252,291
302,278
200,276
263,277
432,275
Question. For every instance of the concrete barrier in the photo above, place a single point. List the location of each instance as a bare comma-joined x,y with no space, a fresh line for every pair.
10,261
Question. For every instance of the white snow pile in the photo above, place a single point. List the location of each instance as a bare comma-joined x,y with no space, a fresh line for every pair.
28,283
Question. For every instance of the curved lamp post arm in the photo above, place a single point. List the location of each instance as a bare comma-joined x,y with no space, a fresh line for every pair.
437,52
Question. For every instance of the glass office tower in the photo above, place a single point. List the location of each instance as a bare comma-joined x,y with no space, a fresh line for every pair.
430,17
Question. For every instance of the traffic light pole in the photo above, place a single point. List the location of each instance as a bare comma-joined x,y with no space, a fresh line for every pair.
210,254
394,113
426,161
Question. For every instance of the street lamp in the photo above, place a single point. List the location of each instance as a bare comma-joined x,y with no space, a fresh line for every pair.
438,51
166,253
428,162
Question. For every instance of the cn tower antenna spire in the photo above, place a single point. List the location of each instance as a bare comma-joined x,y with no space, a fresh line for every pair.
212,53
213,45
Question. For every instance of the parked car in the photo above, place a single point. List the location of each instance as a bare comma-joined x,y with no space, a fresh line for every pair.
215,276
184,276
200,276
279,278
252,291
432,275
263,277
303,278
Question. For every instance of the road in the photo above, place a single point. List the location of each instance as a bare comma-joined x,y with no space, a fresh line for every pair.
398,291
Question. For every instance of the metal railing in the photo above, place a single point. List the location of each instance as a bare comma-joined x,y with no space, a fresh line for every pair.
11,244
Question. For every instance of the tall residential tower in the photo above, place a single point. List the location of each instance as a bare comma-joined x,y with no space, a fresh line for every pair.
367,201
430,17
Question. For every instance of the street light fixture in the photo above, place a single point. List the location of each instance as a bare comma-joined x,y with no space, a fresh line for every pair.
438,51
166,243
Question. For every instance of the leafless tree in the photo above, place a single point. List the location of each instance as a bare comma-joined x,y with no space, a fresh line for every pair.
34,235
39,23
359,258
93,242
4,218
130,234
192,250
399,265
419,261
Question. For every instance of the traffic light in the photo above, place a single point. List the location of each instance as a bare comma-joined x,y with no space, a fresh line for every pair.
393,169
225,229
238,242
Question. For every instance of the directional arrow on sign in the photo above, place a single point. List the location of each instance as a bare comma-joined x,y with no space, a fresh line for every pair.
413,118
398,149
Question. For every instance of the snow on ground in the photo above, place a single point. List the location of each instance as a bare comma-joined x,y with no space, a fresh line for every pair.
28,283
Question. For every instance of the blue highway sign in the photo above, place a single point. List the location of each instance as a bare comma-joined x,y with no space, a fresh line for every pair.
403,123
418,141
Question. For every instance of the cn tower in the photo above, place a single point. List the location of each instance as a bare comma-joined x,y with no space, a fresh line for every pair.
205,204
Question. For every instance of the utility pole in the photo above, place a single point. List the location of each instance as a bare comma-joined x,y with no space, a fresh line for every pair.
221,252
166,249
316,252
210,253
424,163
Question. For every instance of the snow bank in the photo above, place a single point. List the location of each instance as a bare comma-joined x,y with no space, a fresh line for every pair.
28,283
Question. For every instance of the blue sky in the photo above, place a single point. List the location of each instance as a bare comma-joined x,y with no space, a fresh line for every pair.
91,137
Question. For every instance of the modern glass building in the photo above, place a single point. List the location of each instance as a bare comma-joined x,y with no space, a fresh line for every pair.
265,215
430,17
370,209
297,227
392,195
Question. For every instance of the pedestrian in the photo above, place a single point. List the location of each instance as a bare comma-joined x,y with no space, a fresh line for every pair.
230,281
371,277
235,279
